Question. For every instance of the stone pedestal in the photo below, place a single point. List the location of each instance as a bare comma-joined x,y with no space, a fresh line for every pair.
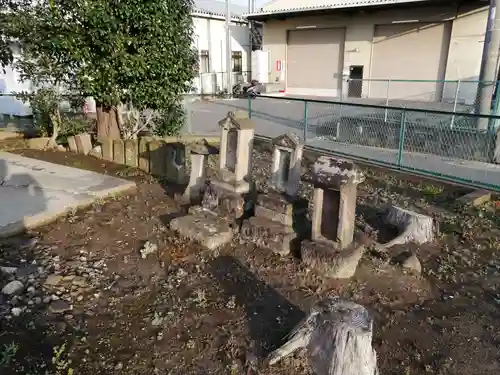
223,200
198,176
205,227
226,193
278,224
331,247
279,221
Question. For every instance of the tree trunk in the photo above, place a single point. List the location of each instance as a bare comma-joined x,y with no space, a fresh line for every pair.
413,227
107,122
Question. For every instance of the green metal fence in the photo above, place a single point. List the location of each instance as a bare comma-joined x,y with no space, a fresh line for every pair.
444,95
417,140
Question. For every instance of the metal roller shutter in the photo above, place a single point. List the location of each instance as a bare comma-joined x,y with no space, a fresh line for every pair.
315,61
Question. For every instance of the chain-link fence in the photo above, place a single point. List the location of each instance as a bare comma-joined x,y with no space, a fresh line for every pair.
407,138
451,95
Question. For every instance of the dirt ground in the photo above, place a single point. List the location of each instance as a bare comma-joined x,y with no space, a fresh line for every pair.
186,310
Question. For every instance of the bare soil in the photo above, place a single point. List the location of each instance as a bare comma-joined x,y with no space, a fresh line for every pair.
186,310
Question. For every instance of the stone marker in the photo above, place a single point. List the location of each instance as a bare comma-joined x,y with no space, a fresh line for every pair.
232,182
72,144
144,153
118,151
331,249
277,211
223,200
175,163
131,152
107,149
197,179
83,143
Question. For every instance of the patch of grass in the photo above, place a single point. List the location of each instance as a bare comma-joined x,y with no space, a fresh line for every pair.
431,190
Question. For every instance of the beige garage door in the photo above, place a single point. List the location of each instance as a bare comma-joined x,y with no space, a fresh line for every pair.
315,61
410,51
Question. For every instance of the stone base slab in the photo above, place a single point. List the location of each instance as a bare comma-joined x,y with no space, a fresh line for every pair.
268,234
330,262
282,203
224,202
239,187
205,227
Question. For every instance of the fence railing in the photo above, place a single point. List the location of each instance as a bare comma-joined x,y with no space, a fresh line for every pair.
445,95
412,139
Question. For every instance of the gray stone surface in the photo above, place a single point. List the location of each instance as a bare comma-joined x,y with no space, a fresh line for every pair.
268,234
205,227
34,192
337,264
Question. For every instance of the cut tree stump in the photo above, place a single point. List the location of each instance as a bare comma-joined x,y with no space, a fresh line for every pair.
338,337
413,227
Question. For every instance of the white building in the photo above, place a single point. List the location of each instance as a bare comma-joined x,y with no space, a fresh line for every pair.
210,41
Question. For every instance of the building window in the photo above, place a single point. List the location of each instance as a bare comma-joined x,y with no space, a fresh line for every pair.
204,62
237,59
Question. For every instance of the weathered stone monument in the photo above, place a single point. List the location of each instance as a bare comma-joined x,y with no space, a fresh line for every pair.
332,249
227,192
212,224
198,176
279,214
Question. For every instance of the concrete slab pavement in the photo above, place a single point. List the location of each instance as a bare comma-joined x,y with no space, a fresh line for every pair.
35,192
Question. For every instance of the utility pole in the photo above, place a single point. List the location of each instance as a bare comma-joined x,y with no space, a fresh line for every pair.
228,48
489,63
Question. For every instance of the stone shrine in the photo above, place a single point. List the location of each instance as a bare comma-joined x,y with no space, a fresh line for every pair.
226,193
280,214
331,248
198,176
223,200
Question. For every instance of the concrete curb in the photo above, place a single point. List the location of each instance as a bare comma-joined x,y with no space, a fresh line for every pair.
47,217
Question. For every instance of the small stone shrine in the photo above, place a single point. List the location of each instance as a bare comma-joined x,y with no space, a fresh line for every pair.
280,212
198,176
332,249
226,193
223,201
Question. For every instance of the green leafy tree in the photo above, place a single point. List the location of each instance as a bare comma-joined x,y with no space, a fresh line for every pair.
121,52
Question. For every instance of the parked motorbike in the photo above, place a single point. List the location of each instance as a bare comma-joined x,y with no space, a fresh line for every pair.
247,89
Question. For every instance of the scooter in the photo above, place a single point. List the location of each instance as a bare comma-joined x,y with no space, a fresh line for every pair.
247,89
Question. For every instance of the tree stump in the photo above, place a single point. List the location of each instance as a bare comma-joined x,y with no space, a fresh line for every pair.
413,227
337,335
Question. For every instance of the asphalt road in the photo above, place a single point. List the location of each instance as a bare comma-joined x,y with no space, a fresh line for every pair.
274,117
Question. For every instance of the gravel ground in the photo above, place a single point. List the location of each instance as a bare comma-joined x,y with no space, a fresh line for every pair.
110,290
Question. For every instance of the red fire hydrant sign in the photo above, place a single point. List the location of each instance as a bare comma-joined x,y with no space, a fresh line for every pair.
279,65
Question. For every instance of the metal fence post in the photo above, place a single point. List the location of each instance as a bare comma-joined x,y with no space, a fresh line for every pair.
305,120
402,133
387,99
249,107
455,100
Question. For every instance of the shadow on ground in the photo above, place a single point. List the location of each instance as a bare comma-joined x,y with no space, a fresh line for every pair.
29,335
270,316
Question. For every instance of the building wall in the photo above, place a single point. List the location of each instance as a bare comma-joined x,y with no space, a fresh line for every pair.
210,35
468,31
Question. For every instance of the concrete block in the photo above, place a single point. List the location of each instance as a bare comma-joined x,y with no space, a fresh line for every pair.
144,154
107,149
131,152
118,151
72,144
476,198
83,143
157,158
